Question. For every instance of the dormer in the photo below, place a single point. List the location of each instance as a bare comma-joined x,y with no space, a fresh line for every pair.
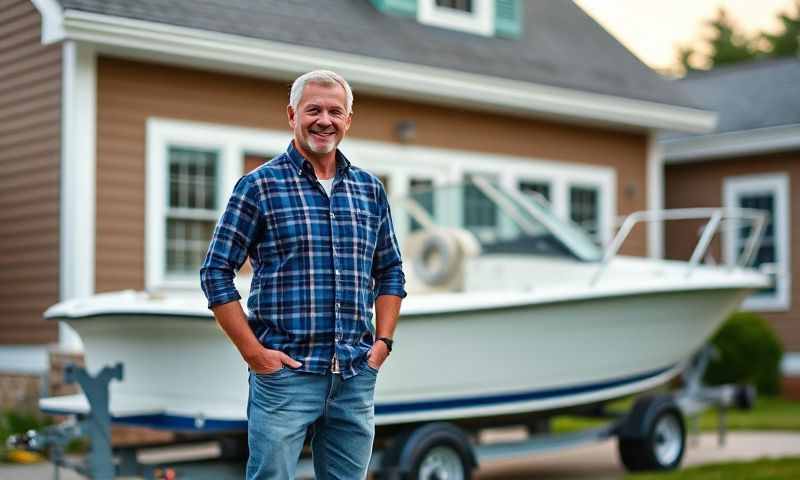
502,18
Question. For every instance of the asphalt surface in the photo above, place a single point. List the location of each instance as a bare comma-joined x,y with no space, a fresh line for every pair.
600,461
597,461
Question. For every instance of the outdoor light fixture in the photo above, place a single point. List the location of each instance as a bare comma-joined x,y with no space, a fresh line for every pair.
405,130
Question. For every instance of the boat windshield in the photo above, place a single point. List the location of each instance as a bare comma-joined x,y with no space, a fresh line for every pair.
503,222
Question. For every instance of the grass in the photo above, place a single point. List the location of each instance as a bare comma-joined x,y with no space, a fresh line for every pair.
770,413
780,469
15,422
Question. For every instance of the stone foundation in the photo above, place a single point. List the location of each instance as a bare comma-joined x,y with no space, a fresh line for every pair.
58,363
21,392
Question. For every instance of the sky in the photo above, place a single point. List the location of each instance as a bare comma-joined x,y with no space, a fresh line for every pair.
652,29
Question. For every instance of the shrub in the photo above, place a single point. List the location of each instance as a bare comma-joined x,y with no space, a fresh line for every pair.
14,422
749,352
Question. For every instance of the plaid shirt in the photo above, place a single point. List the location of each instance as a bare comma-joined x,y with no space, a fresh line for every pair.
318,262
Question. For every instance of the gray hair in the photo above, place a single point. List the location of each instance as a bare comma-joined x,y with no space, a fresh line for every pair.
322,77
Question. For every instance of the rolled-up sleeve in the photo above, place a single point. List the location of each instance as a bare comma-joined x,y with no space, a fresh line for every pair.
387,265
235,233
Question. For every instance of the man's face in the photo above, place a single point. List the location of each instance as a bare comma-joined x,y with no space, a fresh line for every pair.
321,120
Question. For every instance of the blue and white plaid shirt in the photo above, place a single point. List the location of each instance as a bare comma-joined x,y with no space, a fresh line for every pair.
318,262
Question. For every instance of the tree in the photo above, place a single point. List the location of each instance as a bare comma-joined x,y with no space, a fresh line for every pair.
686,54
727,44
787,42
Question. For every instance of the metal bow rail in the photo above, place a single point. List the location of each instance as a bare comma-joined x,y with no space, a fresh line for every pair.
716,216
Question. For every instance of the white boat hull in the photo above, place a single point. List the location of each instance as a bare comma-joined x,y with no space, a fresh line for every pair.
548,354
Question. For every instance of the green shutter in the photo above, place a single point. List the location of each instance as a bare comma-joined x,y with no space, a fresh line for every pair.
508,18
407,8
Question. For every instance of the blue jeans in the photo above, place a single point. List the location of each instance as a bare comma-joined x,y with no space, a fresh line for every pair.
340,413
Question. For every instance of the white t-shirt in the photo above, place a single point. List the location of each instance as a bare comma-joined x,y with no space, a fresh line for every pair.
327,185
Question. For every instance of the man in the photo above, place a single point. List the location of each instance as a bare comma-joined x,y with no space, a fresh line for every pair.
320,239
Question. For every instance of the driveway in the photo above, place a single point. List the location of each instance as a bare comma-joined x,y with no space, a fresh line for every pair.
601,462
598,461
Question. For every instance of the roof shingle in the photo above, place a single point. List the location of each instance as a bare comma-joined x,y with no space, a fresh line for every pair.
560,44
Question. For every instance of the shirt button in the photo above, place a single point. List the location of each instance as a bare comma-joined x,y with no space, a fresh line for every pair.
338,305
337,272
333,215
299,172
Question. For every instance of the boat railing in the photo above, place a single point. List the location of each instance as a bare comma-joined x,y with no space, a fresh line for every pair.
716,217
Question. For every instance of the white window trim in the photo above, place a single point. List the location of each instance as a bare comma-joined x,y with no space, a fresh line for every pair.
399,163
777,184
480,21
589,185
232,143
451,166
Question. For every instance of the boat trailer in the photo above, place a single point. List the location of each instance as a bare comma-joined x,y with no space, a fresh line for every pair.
650,436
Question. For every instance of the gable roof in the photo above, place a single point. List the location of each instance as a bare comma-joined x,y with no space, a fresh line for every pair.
750,95
564,64
560,44
758,104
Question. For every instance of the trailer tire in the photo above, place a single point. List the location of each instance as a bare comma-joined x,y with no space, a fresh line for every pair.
435,450
654,437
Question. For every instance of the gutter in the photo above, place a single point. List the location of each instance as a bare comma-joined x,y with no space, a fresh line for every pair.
233,53
720,146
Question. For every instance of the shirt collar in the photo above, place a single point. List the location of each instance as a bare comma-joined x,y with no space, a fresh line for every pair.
303,165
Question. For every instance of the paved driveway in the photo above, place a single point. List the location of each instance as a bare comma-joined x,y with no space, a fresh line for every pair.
601,462
597,461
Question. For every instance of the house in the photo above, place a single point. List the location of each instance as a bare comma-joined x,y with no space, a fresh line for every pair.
750,160
125,123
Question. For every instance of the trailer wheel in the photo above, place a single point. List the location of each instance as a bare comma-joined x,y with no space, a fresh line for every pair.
661,441
435,451
441,462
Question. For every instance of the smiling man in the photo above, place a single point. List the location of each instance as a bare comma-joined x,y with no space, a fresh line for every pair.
320,239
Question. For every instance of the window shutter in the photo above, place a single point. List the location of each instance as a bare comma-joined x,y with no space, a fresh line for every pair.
508,18
406,8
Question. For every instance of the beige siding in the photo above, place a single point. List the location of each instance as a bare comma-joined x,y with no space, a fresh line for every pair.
129,92
30,99
701,185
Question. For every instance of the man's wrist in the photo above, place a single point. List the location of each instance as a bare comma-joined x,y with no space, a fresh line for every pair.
388,341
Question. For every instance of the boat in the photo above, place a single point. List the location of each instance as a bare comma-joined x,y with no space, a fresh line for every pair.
511,312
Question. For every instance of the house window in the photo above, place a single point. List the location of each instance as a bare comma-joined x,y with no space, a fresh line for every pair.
191,171
479,211
421,190
463,5
471,16
191,211
541,189
584,208
768,193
